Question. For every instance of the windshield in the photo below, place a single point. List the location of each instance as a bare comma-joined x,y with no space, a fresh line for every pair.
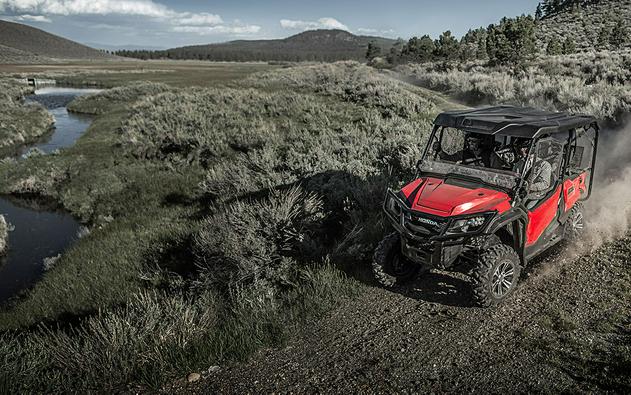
494,159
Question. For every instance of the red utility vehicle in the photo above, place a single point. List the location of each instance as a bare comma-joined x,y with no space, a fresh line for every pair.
495,188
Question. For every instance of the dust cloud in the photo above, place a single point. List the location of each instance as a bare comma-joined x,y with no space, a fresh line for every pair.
608,211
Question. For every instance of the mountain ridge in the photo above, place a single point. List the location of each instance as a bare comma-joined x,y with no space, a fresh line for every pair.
316,45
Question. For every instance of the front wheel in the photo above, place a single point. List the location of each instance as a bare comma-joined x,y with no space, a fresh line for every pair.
496,275
389,265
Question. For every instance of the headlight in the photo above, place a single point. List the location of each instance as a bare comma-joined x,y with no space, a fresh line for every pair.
467,225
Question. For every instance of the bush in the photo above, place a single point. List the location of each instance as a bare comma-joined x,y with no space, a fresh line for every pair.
258,245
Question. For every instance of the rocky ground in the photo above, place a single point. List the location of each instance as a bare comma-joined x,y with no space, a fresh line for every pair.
566,323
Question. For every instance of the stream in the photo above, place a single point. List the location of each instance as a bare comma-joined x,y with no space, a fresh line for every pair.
40,231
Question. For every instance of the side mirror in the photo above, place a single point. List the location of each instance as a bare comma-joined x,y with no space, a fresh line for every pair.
436,146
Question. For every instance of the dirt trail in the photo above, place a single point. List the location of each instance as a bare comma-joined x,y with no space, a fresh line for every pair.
428,338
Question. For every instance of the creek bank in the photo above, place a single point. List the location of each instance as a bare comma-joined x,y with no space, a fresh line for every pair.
41,230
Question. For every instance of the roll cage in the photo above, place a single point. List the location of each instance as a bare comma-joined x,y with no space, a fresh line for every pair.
526,124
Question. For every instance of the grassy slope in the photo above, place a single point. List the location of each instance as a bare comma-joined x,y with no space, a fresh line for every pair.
597,84
146,207
583,26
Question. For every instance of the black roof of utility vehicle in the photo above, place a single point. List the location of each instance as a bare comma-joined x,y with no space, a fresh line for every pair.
513,121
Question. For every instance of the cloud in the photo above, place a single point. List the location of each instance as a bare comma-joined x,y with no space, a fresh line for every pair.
202,23
366,30
219,29
322,23
199,19
31,18
95,7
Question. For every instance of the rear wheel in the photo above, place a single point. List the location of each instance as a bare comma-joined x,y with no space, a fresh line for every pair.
496,275
575,225
389,265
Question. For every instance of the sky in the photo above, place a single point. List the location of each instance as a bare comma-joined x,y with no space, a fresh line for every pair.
171,23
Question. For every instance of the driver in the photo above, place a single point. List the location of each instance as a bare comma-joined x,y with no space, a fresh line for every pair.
475,153
538,175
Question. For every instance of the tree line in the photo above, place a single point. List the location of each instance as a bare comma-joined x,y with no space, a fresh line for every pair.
512,40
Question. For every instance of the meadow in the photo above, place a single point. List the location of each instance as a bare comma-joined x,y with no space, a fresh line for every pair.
219,219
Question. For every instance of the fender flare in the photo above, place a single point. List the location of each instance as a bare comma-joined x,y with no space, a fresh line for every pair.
517,219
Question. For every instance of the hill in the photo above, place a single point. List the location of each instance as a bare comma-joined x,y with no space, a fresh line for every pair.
322,45
588,23
26,42
10,55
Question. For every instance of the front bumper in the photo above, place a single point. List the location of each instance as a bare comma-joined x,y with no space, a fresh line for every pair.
428,245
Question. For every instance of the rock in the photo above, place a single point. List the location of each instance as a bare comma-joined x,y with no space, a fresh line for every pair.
213,369
4,234
193,377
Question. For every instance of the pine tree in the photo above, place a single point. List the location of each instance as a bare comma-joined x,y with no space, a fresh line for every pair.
447,47
419,49
539,12
512,41
373,51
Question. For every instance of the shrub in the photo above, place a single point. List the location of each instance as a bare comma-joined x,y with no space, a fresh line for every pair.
256,244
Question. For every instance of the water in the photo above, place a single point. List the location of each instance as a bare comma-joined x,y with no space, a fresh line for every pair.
38,234
40,231
68,126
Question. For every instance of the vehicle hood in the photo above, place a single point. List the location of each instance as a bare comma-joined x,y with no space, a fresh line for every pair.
445,197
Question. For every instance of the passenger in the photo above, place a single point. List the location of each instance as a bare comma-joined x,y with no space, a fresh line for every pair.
538,176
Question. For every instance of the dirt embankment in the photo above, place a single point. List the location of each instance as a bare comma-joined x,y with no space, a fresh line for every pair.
565,329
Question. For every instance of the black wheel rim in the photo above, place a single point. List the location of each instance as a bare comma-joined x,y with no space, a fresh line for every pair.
503,278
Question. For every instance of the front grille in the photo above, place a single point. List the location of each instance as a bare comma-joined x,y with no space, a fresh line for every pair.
420,224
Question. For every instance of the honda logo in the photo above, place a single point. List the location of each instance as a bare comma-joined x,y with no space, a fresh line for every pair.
428,221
